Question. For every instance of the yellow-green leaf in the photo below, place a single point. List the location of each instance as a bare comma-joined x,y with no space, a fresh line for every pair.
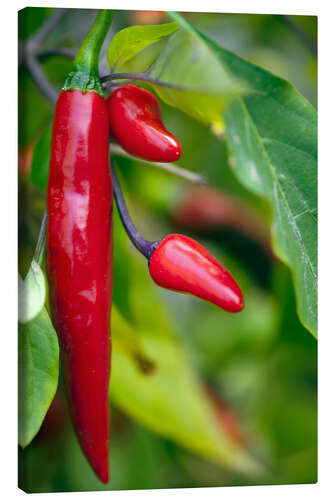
129,41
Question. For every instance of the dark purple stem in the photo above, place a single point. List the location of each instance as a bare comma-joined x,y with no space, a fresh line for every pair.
144,246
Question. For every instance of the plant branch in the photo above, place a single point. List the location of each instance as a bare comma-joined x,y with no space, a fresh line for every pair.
30,51
35,40
140,77
168,167
144,246
40,79
62,51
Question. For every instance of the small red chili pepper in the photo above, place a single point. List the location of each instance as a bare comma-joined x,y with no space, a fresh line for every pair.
79,246
181,264
136,124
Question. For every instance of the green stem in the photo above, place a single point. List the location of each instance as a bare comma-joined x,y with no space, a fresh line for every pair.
40,246
85,74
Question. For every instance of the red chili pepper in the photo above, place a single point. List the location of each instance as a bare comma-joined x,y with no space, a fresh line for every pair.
79,246
181,264
136,124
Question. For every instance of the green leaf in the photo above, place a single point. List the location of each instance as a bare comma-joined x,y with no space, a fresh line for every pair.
129,41
40,161
38,374
171,402
31,293
272,137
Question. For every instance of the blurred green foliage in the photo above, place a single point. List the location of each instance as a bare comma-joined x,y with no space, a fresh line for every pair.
262,363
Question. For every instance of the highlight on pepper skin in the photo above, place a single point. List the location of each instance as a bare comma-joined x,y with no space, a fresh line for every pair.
181,264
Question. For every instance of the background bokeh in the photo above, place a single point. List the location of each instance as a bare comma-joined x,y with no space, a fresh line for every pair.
258,369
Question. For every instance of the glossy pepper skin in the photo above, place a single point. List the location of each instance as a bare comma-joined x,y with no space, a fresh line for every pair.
181,264
79,253
136,124
79,263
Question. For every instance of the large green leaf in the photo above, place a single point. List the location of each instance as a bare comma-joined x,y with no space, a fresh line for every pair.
171,401
38,374
271,133
286,177
129,41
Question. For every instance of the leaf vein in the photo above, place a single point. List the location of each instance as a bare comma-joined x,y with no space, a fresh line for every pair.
285,144
275,177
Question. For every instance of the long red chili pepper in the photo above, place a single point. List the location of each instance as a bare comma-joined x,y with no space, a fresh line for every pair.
79,246
181,264
136,124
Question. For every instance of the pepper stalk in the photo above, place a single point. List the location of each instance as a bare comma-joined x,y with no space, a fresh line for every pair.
85,74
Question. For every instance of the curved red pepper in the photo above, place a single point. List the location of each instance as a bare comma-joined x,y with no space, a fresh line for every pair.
181,264
79,260
136,124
